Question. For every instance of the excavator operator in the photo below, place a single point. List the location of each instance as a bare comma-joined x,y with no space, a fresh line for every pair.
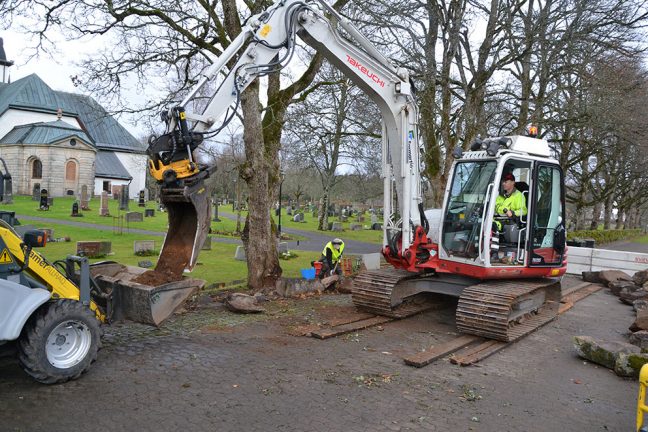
511,202
331,257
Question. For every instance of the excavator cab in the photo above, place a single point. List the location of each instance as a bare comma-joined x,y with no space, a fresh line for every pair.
476,231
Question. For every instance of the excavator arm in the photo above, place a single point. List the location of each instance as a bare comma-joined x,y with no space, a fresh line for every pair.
265,45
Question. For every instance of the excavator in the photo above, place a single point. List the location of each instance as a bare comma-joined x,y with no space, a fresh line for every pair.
504,271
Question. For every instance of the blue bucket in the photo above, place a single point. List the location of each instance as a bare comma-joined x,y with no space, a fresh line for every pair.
308,273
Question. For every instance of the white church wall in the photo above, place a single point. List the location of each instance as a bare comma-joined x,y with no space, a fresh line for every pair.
135,164
12,118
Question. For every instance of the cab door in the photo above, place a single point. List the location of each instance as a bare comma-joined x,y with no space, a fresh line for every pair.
546,220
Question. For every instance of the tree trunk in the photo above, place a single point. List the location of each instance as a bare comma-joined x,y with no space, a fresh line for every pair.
322,223
596,215
262,258
607,218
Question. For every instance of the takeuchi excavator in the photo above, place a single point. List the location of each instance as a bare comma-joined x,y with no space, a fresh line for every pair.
504,271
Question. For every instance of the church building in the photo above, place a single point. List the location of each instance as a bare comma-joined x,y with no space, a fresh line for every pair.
62,141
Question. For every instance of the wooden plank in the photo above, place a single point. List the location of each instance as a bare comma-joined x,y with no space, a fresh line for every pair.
473,354
426,357
346,328
576,296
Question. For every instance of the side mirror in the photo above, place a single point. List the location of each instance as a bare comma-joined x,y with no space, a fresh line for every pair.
35,238
560,237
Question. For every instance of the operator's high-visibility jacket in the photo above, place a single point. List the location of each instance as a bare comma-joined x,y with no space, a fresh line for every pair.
514,202
332,255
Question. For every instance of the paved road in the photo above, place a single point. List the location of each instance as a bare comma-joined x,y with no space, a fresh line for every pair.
212,370
627,246
312,242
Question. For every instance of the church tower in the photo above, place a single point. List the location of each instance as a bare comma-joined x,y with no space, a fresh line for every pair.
4,65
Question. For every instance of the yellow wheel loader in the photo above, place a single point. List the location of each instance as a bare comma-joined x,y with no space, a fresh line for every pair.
52,313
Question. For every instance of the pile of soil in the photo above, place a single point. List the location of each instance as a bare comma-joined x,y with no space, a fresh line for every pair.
157,277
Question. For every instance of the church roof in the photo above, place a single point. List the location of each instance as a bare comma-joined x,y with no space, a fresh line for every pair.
32,94
108,165
44,133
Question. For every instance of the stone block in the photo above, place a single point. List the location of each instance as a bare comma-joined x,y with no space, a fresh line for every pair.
629,296
641,321
355,227
337,226
640,278
638,305
376,227
282,247
602,353
640,339
617,286
591,276
299,217
134,217
371,261
140,246
208,243
629,365
239,255
149,213
93,249
607,276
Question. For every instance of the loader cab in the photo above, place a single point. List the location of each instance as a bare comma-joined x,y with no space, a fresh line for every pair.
474,232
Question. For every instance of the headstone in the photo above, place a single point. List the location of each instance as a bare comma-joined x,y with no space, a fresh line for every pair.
75,210
134,217
337,226
216,218
208,243
143,246
299,217
141,200
289,211
374,219
44,203
93,249
240,254
8,189
123,198
50,201
376,226
85,198
282,247
355,227
103,209
371,261
344,218
149,212
36,192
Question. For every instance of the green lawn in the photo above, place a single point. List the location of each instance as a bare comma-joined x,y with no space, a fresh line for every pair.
215,266
643,239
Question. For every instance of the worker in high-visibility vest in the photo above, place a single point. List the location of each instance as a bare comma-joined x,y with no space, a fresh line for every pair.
331,256
509,204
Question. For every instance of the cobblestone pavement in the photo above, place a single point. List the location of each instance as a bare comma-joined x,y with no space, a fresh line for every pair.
211,370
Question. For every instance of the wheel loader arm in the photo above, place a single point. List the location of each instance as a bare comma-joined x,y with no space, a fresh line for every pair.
266,45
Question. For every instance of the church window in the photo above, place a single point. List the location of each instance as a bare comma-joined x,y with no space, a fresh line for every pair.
37,169
70,170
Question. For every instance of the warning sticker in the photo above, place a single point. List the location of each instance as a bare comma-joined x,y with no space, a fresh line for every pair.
5,257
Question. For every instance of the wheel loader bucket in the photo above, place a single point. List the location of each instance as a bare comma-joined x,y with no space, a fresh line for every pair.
189,212
148,303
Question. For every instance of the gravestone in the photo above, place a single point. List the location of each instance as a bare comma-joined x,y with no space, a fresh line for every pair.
146,194
93,249
337,226
75,210
123,198
344,218
134,217
85,198
355,227
207,244
240,254
282,248
216,218
103,208
149,212
299,217
143,246
374,219
8,189
36,192
44,202
289,211
141,200
376,226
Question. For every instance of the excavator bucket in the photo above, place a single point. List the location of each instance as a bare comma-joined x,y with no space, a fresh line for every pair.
189,212
142,296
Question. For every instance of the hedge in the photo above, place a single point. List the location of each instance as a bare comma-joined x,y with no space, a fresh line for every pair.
603,236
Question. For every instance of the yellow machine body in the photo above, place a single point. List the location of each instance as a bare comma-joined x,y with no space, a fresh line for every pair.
44,272
182,168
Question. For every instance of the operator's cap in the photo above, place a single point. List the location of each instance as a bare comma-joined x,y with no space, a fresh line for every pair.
337,241
508,176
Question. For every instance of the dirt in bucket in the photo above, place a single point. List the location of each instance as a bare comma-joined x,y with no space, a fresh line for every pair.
157,277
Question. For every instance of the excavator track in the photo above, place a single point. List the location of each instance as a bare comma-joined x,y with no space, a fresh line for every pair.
507,310
372,292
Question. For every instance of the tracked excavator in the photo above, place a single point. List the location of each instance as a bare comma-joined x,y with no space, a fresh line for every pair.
504,271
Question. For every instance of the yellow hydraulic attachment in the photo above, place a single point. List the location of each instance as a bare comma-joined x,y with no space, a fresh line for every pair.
41,270
181,169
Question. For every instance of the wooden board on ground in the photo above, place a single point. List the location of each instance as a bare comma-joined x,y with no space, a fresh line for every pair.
426,357
474,353
346,328
577,295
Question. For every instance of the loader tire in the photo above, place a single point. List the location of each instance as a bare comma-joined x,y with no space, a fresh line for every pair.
59,342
